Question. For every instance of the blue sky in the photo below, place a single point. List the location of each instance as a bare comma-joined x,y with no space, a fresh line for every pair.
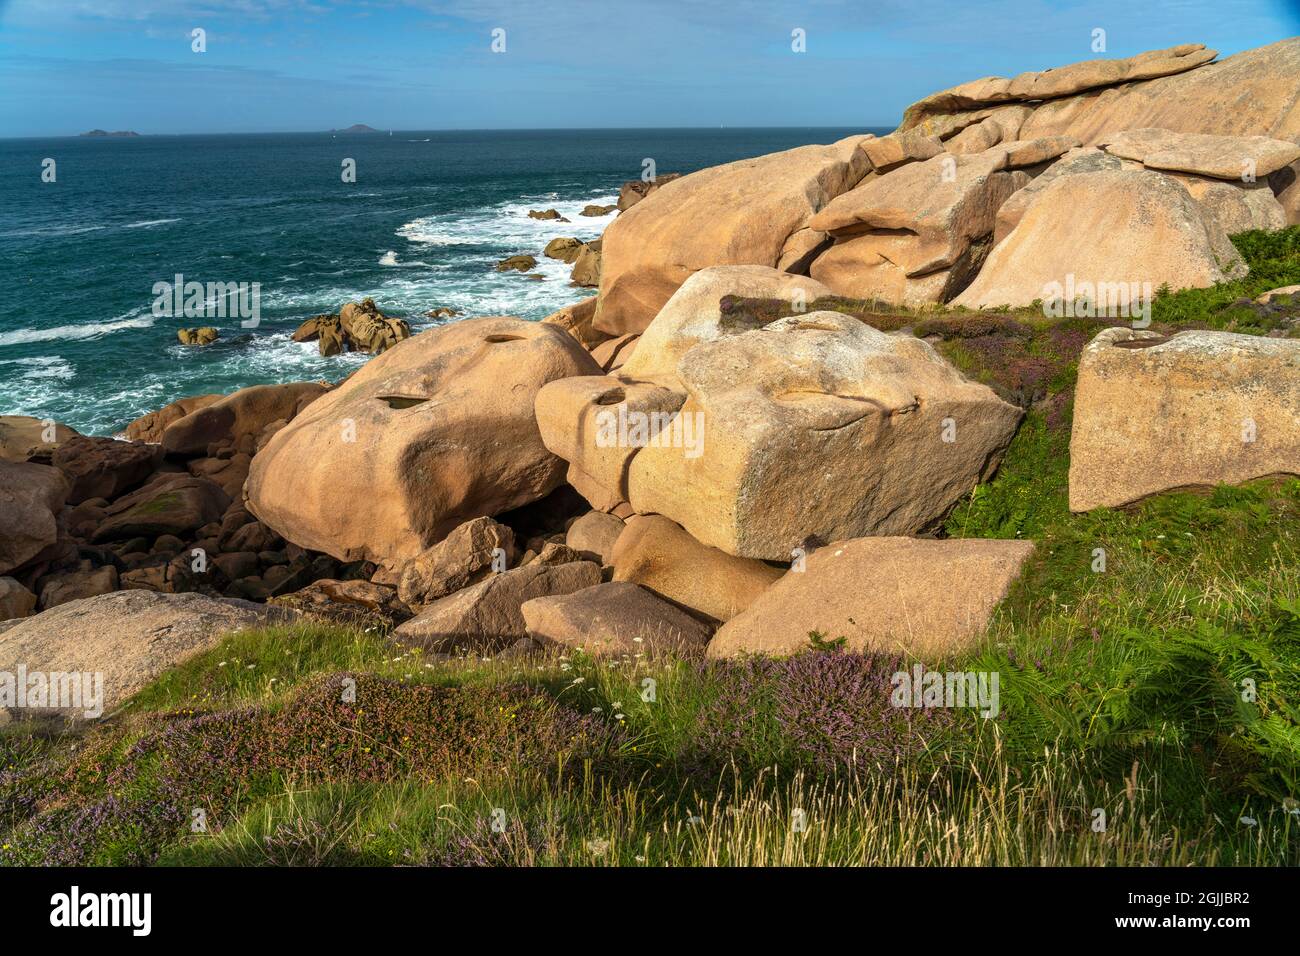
272,65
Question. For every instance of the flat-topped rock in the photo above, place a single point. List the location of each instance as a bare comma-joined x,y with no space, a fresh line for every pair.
922,598
128,637
1223,157
818,427
1198,409
614,618
1058,82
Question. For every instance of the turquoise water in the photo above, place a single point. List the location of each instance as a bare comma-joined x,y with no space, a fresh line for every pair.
423,225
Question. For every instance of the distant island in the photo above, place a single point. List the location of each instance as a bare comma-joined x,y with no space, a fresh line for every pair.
357,128
120,132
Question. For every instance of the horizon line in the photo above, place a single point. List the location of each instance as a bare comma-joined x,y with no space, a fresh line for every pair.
443,129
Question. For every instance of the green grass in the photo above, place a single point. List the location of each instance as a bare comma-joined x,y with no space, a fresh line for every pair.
1162,690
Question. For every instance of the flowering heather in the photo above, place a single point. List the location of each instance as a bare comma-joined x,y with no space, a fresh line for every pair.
818,710
387,731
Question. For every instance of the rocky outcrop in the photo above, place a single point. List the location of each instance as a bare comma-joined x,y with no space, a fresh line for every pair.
573,419
103,467
150,427
633,191
519,263
1196,409
887,152
172,504
546,214
576,319
923,598
614,618
130,637
1237,206
742,213
928,114
564,248
486,616
1236,158
696,313
907,237
586,267
430,434
366,329
15,600
204,335
239,416
1118,228
660,555
593,535
85,582
466,555
1252,93
23,438
817,427
31,496
358,327
1085,159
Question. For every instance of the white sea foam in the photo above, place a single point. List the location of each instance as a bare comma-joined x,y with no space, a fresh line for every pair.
508,224
146,223
64,333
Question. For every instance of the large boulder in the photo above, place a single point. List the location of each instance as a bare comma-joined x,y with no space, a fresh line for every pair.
15,600
31,497
907,237
23,438
695,314
150,427
486,616
593,536
1237,206
586,268
1237,158
466,555
172,503
435,431
742,213
128,637
65,586
1083,159
104,467
1197,409
887,152
578,419
660,555
1121,228
817,427
614,618
633,191
922,598
239,415
576,319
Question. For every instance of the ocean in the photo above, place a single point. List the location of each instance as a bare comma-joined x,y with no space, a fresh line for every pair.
423,225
